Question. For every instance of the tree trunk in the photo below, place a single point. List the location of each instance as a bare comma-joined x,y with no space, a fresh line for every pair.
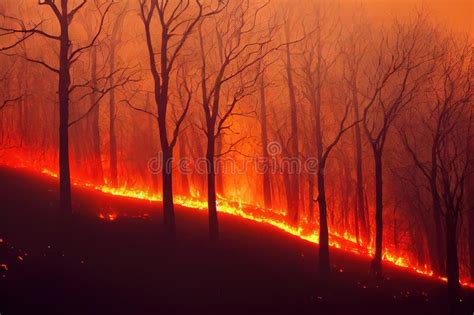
359,217
155,185
161,98
324,267
211,189
439,248
311,198
64,84
199,178
2,131
470,192
395,230
377,261
471,237
168,205
346,190
356,215
452,263
184,176
97,171
439,253
23,104
267,195
112,114
417,241
288,192
218,170
293,212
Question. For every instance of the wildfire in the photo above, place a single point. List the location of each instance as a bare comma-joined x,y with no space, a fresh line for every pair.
50,173
108,217
344,241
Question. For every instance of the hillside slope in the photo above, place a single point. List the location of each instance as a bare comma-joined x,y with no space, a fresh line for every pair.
122,264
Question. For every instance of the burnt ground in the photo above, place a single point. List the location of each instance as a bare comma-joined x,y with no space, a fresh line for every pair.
127,266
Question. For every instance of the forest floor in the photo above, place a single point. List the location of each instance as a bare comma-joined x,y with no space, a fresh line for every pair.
125,265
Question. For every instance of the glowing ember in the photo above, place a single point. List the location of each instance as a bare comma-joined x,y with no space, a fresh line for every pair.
108,217
48,172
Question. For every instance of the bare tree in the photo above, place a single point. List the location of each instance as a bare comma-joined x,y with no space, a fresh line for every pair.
89,23
455,163
448,163
176,23
353,50
68,55
267,193
293,177
430,171
114,42
240,52
402,64
318,60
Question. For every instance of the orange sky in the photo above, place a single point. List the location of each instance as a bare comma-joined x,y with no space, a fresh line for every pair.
458,14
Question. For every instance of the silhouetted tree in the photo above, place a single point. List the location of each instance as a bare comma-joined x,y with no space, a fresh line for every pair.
267,193
354,49
402,63
292,176
239,53
449,162
176,22
68,55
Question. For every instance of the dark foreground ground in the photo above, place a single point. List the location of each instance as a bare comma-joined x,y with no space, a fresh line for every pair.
127,267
